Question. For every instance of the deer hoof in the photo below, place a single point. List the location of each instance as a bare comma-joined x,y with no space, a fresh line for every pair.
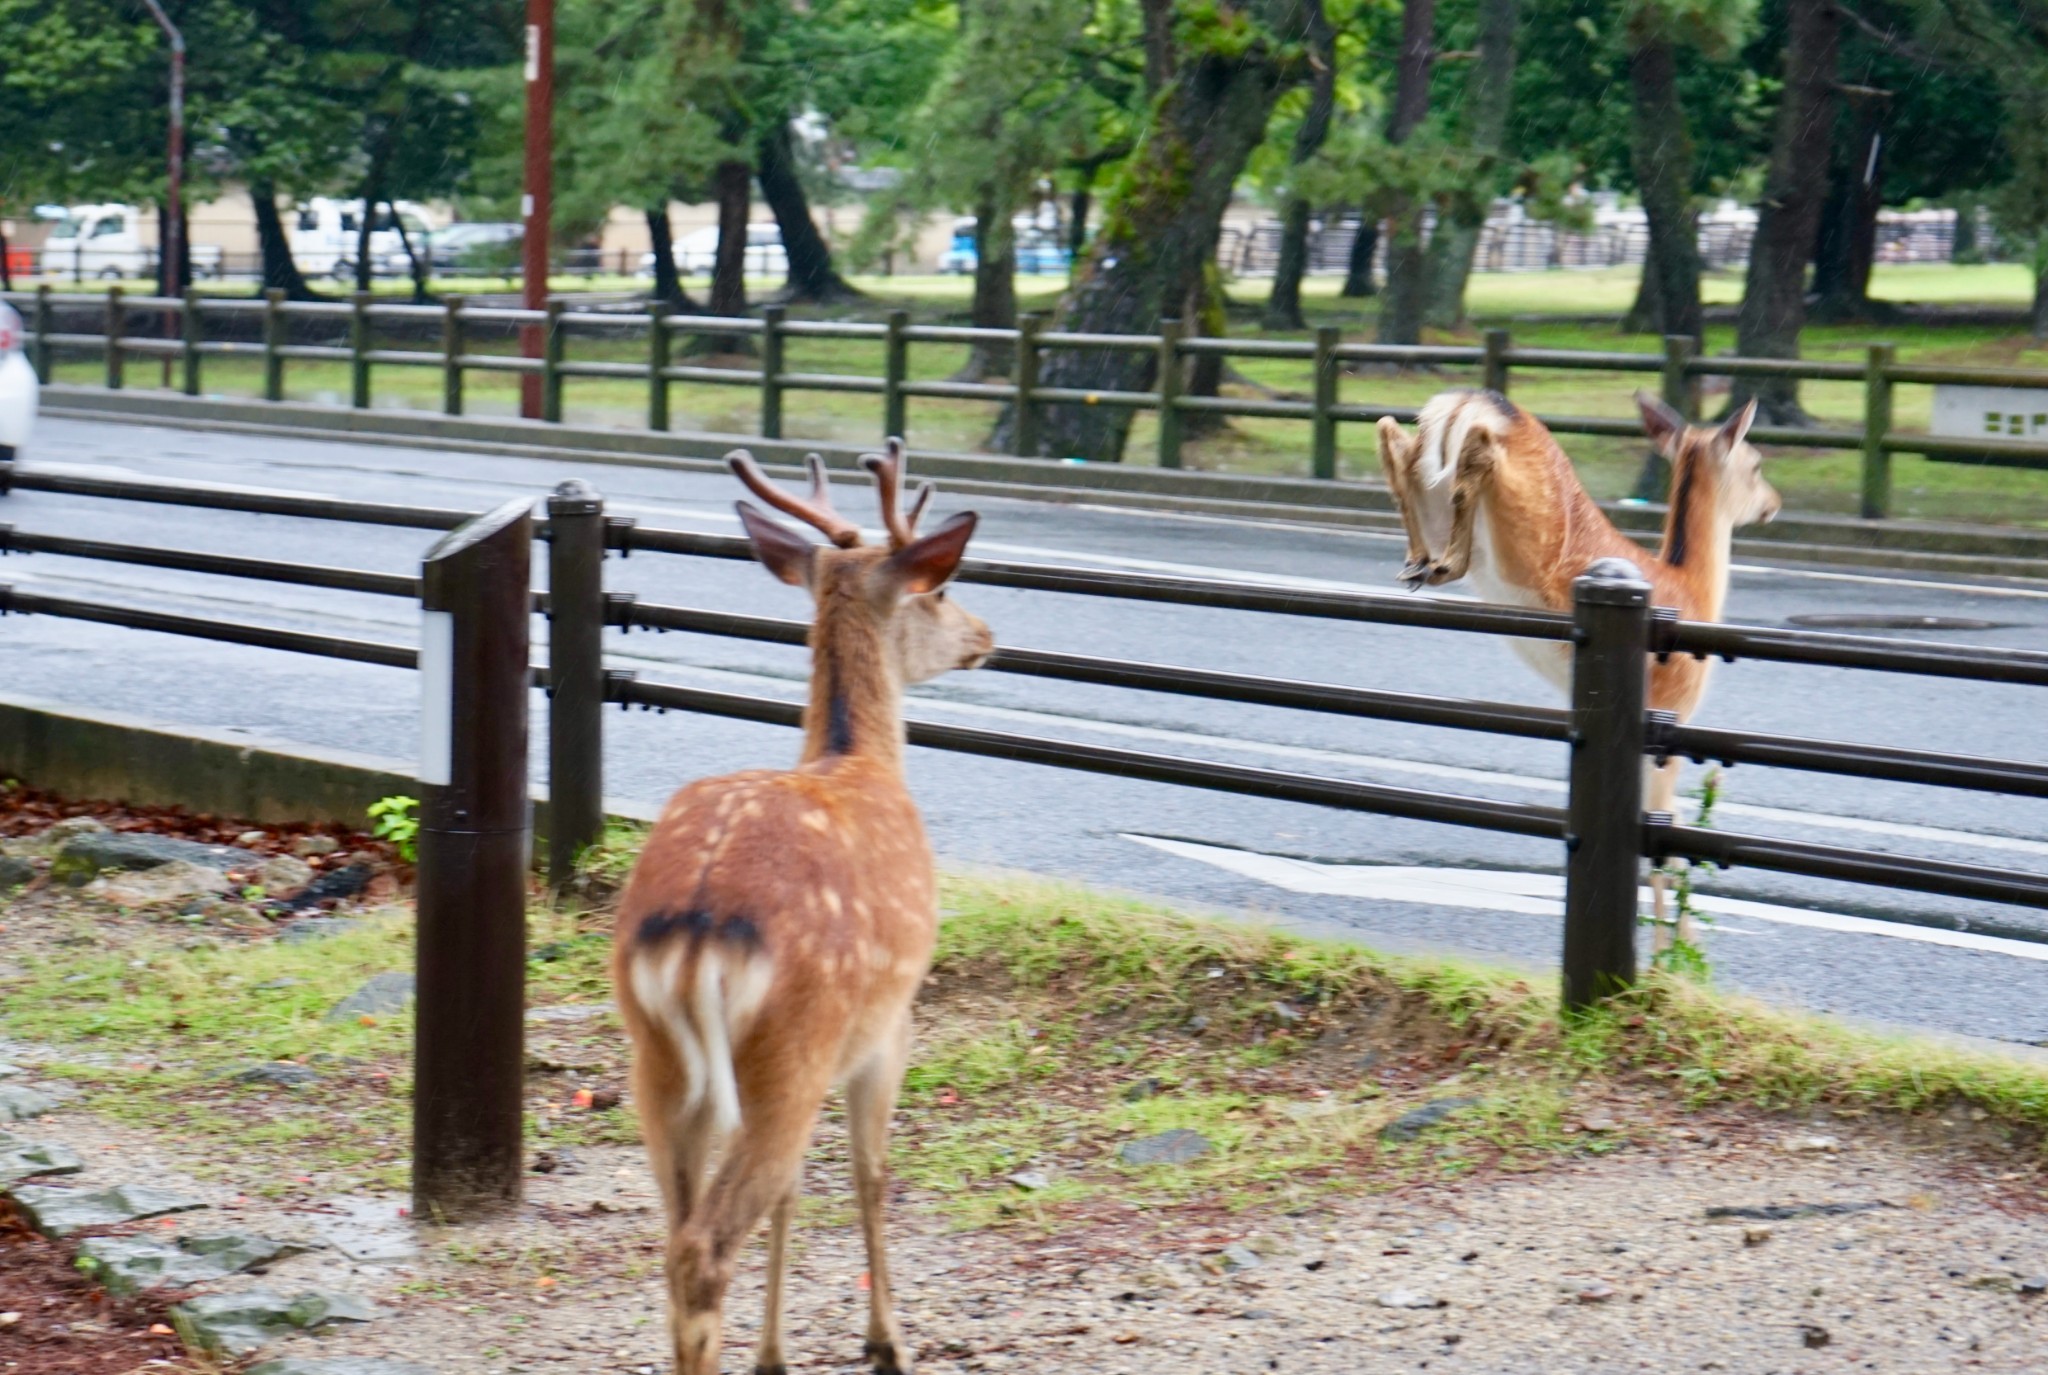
883,1356
1441,573
1414,573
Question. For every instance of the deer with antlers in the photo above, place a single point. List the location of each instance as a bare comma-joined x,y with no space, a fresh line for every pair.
1484,491
779,922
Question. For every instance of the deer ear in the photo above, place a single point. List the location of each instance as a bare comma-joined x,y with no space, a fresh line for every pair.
1736,428
781,551
925,565
1660,422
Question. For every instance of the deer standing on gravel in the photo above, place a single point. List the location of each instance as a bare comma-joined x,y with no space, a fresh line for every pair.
779,922
1484,491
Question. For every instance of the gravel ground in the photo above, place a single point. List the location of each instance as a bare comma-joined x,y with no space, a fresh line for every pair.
1602,1263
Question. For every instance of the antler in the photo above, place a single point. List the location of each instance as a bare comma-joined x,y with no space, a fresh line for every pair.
888,471
815,512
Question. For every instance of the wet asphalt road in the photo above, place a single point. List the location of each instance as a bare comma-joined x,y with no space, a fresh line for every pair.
1221,851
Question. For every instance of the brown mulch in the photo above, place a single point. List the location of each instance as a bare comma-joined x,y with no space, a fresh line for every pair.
28,811
55,1321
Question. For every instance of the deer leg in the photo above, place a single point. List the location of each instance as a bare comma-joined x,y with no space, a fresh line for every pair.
760,1162
768,1356
1475,466
677,1145
870,1099
1396,453
1662,796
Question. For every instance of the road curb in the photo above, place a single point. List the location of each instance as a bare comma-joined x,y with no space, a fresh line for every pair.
1912,546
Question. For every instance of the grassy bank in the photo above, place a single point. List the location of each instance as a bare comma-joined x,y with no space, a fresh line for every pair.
1060,1026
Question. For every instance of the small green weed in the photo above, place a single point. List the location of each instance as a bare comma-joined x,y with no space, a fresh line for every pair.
397,819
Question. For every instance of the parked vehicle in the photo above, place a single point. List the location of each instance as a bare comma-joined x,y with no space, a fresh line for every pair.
324,235
697,251
18,387
478,247
104,242
1039,250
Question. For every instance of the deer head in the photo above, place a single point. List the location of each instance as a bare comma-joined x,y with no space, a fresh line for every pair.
1718,461
898,590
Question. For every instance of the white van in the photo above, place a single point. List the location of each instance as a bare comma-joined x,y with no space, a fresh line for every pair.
323,235
105,243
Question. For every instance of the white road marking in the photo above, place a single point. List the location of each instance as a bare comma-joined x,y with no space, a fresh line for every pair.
1541,895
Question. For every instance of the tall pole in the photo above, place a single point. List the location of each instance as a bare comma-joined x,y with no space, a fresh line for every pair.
174,201
536,207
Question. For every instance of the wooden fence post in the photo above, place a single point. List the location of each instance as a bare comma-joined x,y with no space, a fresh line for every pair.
895,372
771,371
1877,424
1323,436
1494,366
453,346
1170,332
116,315
273,339
554,339
191,342
657,365
359,351
1024,434
46,321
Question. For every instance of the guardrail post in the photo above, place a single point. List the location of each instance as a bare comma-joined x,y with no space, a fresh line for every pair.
554,339
359,351
46,320
116,315
1604,813
1323,426
191,341
1024,434
771,371
1170,334
895,371
1494,362
1680,392
575,676
468,1040
453,345
273,339
657,365
1877,423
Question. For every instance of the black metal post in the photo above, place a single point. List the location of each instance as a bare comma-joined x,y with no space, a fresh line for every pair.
1604,815
469,1040
575,676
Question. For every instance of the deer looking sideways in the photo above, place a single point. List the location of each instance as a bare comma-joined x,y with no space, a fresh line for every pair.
779,922
1485,491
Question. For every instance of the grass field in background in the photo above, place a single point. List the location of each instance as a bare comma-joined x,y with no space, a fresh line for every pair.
1547,309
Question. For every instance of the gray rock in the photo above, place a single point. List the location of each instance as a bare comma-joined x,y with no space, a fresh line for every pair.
386,992
72,827
1408,1298
173,882
1031,1181
86,856
306,846
15,871
237,1324
1415,1121
1175,1147
125,1265
18,1104
346,1365
317,928
21,1159
60,1212
281,875
250,840
1143,1089
1787,1212
282,1074
2034,1284
1238,1256
336,884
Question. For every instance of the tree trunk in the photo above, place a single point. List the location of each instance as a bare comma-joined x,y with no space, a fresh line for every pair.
1401,311
729,264
280,272
811,275
1283,304
1660,151
184,265
2040,311
1846,245
1358,275
1161,226
1490,88
1646,316
6,267
414,261
668,283
1077,215
373,192
1774,293
995,285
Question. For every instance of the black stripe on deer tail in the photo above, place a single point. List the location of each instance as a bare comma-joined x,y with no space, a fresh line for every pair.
1681,510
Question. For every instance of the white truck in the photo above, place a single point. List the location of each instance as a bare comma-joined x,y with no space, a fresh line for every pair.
324,235
105,243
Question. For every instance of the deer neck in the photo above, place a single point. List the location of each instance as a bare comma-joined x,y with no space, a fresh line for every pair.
1697,538
856,703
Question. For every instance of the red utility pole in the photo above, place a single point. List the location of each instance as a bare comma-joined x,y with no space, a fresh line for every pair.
537,207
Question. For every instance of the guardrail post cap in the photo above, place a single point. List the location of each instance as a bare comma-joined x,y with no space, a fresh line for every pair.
1612,582
575,497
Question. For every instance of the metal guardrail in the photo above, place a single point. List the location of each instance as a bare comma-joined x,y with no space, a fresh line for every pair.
1613,632
1678,367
